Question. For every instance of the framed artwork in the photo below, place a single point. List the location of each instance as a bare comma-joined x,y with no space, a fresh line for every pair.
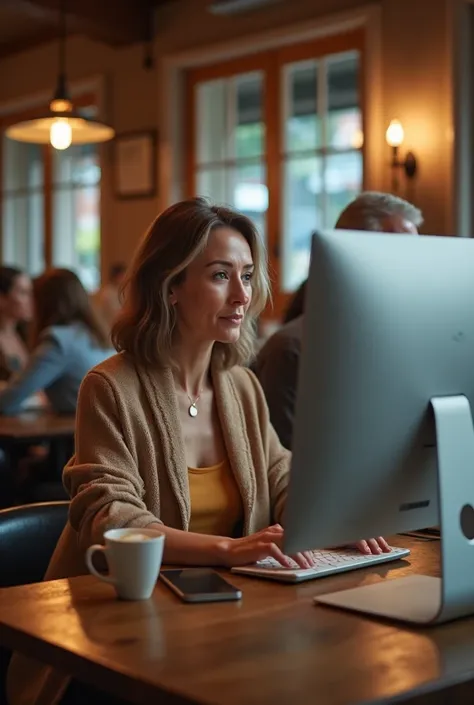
135,166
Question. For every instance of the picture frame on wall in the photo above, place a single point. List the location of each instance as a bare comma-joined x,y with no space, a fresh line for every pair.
135,168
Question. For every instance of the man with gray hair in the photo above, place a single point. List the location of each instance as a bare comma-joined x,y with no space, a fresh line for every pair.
380,212
277,363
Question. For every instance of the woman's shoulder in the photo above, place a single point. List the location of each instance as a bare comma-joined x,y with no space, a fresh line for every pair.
118,369
246,383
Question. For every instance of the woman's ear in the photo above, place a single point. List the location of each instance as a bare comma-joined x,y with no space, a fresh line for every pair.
173,298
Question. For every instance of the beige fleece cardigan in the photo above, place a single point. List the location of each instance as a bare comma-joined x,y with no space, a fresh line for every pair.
129,470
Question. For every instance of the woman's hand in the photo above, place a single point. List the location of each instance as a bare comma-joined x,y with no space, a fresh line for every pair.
265,543
373,546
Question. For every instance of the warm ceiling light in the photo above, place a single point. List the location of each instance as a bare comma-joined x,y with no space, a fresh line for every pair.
61,126
395,133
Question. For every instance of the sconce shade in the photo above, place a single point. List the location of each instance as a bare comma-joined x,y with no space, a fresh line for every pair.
395,133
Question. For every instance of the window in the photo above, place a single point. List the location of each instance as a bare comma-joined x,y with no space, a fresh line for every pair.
51,208
322,166
23,206
230,143
279,136
76,212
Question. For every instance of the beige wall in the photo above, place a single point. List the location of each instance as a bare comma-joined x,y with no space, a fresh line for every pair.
416,88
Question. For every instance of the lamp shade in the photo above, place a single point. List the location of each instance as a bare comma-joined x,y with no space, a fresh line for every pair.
41,130
61,125
395,134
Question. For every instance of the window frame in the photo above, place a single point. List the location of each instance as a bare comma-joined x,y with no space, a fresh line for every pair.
272,63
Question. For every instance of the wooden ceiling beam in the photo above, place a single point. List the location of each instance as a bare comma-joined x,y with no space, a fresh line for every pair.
118,22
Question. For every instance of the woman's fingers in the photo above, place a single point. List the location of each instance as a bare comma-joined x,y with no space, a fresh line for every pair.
383,544
363,547
374,546
278,555
301,560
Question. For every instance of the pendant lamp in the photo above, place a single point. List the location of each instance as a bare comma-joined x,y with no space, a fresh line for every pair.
61,126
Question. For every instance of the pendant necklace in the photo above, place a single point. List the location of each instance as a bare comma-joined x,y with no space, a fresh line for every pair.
192,408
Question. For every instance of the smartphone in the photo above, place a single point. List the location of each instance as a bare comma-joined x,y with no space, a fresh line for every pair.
199,585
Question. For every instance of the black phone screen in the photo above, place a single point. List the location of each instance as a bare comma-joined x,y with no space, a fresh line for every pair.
199,584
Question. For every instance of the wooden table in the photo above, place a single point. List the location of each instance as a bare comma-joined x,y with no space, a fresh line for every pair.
35,426
30,428
272,648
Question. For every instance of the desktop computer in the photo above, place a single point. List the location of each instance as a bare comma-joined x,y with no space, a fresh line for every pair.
383,440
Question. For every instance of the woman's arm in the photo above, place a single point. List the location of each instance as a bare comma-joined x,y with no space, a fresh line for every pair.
107,491
187,548
45,366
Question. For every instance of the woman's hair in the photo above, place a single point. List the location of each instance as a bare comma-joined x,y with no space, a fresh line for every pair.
60,299
145,327
7,279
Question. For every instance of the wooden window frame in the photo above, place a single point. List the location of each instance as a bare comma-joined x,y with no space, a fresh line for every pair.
271,63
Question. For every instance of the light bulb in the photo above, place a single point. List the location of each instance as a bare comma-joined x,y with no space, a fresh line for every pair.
60,134
395,133
357,139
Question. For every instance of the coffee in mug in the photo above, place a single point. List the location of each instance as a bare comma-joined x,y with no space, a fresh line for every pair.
134,560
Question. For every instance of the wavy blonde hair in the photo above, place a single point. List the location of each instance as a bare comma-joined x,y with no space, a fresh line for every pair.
146,326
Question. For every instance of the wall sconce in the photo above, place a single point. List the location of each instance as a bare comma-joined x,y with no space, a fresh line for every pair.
395,136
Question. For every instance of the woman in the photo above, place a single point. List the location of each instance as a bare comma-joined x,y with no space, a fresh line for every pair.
173,432
68,341
15,311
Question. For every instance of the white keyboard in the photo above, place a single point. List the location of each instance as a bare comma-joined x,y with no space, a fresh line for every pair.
328,562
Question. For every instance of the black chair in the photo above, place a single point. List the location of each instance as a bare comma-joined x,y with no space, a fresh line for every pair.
28,537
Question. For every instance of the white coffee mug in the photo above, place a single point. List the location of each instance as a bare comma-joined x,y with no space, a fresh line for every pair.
134,560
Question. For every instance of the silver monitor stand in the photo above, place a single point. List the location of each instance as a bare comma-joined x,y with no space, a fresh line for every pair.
421,599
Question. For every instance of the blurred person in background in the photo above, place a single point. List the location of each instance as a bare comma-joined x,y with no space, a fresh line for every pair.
16,310
107,300
68,339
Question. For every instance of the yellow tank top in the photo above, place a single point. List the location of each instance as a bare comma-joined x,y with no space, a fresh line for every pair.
216,506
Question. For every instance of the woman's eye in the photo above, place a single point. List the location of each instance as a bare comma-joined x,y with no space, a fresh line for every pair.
220,275
247,278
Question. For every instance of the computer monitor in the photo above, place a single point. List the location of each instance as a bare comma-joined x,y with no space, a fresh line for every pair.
383,438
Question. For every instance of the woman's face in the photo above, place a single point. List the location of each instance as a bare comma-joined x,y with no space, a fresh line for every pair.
18,303
214,296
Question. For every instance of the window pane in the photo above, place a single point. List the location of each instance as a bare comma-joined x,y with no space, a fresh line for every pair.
23,233
79,165
343,181
302,214
250,193
211,125
22,166
302,126
76,232
212,184
344,119
249,128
